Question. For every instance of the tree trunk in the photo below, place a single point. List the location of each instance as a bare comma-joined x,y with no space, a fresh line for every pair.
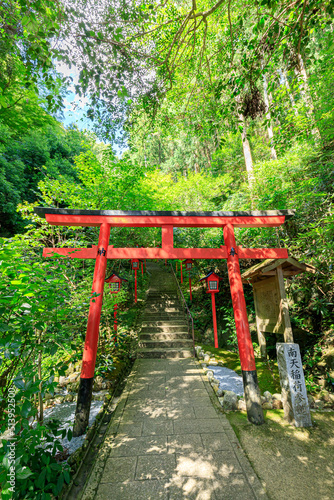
40,397
308,98
247,151
268,116
285,81
159,145
208,155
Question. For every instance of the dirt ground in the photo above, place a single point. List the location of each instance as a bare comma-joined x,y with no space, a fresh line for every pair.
294,464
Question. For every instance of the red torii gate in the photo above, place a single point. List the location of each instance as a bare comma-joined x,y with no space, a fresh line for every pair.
105,219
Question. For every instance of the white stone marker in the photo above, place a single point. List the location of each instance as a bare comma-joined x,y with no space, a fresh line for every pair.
294,395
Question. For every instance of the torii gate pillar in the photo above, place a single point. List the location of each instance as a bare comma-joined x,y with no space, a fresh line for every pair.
92,335
246,351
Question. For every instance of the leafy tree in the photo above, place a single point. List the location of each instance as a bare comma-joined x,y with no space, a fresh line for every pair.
28,37
26,160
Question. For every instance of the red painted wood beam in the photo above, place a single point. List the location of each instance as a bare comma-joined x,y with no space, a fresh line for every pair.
73,253
95,306
136,286
167,237
214,319
92,335
159,221
262,253
246,351
169,253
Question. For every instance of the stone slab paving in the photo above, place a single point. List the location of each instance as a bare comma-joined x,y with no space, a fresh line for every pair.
169,439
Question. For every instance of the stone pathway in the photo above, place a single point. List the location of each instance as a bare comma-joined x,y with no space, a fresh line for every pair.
168,439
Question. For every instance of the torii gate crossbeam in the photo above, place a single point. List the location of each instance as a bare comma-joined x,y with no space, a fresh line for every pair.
105,219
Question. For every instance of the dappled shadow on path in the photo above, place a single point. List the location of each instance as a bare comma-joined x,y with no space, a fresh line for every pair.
304,457
172,442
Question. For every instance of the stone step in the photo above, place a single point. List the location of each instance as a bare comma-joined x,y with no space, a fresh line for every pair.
165,344
160,301
164,332
165,295
164,336
160,310
165,353
163,317
161,304
165,313
169,324
163,287
165,329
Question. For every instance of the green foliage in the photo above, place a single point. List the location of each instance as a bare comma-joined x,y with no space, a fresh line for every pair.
27,33
229,328
32,313
181,88
37,472
26,161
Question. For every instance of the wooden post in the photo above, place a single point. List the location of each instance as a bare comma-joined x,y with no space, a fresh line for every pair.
92,335
284,308
136,286
260,334
40,386
191,297
214,318
115,318
181,274
246,351
142,268
262,344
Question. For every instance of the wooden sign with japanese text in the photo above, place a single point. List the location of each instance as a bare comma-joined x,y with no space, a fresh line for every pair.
294,395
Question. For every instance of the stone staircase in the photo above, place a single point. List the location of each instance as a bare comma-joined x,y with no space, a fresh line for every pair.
164,332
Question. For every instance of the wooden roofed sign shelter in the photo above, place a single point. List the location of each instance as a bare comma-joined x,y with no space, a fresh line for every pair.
271,306
105,219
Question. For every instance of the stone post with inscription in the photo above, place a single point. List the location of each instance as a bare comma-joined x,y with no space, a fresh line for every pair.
294,395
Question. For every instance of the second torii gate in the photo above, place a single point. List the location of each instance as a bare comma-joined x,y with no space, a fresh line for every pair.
105,219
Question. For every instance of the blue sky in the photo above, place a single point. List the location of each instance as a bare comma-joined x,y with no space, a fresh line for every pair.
76,106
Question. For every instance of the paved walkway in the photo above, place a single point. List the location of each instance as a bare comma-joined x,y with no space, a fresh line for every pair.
168,439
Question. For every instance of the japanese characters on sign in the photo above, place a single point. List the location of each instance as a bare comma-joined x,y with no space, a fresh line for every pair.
294,395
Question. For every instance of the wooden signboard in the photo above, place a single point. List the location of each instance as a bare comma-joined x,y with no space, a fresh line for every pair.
266,300
271,306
